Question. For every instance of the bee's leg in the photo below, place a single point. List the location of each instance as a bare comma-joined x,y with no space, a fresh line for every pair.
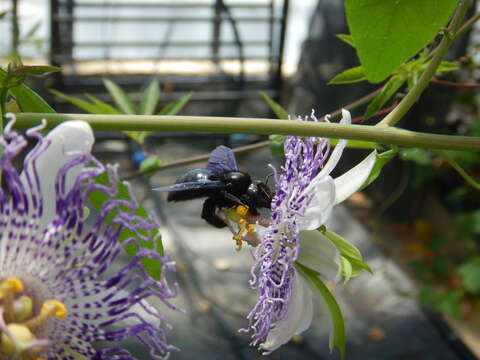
230,199
245,199
210,215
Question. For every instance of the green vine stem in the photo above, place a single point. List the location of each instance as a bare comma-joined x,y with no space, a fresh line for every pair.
226,125
468,179
438,54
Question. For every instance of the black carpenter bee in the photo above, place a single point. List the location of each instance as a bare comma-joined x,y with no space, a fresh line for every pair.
223,185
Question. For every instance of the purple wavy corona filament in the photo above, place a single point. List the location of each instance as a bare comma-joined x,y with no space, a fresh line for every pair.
57,299
273,272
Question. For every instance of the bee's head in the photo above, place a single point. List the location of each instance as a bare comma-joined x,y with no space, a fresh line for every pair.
260,194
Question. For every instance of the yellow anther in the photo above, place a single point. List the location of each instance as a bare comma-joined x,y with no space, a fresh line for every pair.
49,309
238,237
239,242
54,307
251,228
10,285
242,210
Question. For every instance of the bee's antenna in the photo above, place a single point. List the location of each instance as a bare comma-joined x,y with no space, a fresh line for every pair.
268,177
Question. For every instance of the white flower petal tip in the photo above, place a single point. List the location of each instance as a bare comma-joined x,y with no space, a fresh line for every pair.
66,138
77,135
353,179
297,319
320,206
346,117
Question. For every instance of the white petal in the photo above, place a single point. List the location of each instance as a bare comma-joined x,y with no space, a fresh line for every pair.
69,136
320,206
320,254
307,314
296,318
337,152
350,182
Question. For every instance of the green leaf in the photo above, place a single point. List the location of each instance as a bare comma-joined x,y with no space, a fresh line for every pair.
97,198
36,70
416,155
449,303
102,106
388,90
276,145
387,33
175,107
470,273
346,38
151,162
382,159
474,129
348,76
337,338
120,98
276,107
28,99
82,104
150,98
428,296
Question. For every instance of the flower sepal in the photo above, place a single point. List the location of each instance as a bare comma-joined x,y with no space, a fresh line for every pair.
351,259
337,334
381,159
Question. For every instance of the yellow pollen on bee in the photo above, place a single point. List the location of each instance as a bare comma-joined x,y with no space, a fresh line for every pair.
241,210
